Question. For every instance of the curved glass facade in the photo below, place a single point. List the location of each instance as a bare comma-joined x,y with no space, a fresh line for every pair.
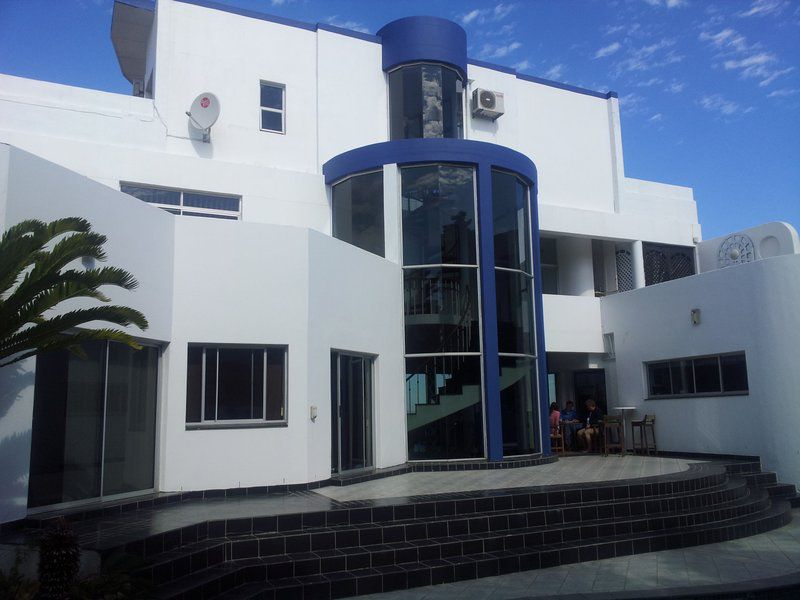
426,101
357,211
516,329
444,398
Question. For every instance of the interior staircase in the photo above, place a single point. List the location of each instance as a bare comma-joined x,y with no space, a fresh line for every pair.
383,545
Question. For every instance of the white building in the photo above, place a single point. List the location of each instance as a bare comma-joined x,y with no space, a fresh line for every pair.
385,249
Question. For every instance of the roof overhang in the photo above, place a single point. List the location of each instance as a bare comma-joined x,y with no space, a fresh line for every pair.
131,23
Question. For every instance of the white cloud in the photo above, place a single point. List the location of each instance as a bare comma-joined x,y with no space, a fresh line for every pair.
650,82
774,75
554,72
649,57
763,8
482,15
522,65
495,51
727,38
632,103
607,50
757,66
719,104
353,25
675,87
668,3
656,118
278,2
783,93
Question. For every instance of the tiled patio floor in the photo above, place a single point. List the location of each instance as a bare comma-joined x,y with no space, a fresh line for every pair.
758,557
571,469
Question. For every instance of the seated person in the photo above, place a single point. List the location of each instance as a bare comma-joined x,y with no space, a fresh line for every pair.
555,417
569,414
589,434
570,424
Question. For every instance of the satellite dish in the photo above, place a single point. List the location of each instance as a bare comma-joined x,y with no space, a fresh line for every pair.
203,113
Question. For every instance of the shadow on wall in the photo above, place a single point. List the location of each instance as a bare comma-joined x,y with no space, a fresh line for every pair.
16,412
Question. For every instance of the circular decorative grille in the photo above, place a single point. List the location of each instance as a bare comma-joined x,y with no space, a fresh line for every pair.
736,249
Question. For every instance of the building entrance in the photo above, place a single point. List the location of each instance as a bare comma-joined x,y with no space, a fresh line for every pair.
351,412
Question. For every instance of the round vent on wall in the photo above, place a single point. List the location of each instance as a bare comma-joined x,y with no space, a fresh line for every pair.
487,99
736,249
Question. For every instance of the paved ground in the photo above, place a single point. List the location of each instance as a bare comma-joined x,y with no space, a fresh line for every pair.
571,469
758,557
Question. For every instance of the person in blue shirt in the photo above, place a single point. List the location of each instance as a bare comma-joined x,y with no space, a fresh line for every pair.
570,424
588,436
569,413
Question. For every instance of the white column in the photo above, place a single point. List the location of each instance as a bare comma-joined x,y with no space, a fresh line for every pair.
575,267
637,259
392,214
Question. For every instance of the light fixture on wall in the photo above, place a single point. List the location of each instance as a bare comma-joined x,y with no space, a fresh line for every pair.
695,316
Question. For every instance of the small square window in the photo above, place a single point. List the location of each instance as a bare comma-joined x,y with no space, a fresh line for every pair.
273,99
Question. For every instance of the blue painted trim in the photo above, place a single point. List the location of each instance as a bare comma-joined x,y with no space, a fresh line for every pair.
542,81
538,311
414,151
367,37
281,20
143,4
416,39
492,66
491,359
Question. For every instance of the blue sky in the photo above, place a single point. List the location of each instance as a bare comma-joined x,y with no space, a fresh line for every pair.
709,90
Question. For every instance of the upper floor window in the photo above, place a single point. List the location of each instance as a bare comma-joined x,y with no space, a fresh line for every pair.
699,376
426,101
273,107
357,204
184,202
548,257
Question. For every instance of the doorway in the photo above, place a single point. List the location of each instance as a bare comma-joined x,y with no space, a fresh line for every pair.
351,412
590,384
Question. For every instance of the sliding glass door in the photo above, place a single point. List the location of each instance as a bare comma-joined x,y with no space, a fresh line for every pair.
94,423
351,411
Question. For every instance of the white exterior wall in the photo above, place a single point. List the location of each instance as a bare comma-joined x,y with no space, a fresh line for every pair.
768,240
750,308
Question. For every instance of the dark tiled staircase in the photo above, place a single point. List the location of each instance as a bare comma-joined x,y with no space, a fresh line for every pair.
383,545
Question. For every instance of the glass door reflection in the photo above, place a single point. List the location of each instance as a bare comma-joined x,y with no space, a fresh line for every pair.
351,410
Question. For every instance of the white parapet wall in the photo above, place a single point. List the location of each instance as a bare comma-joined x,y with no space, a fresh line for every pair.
751,308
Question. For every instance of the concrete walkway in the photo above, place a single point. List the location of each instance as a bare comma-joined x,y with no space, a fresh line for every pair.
571,469
758,557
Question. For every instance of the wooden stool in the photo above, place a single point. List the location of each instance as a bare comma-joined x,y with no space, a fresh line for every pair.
557,440
647,432
613,425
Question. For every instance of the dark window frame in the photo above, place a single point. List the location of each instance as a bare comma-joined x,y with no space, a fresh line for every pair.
205,423
180,208
681,363
337,234
281,111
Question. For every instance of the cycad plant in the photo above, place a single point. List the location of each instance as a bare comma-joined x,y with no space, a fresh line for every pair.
39,271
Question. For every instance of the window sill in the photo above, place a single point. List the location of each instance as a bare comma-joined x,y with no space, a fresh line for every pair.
708,395
236,425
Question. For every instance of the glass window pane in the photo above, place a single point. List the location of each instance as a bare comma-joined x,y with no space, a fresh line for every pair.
271,121
511,231
234,391
194,384
734,373
432,126
358,212
67,431
130,436
441,310
438,215
706,375
658,377
518,404
271,96
452,104
405,100
515,325
444,412
188,213
682,376
152,195
211,385
257,383
276,384
210,201
547,248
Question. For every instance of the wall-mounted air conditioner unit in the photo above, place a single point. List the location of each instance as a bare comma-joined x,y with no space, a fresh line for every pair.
487,104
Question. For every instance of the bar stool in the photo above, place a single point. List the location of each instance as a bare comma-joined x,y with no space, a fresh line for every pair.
557,440
647,432
613,425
